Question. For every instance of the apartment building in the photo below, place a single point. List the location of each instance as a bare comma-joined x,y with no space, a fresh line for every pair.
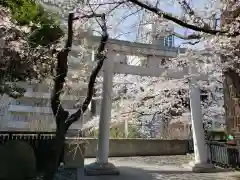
154,30
33,110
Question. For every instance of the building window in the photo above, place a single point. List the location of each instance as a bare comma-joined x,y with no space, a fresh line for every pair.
166,41
17,117
35,88
144,62
18,102
169,41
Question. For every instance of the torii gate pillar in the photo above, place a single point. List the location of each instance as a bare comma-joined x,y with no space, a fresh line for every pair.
200,149
102,166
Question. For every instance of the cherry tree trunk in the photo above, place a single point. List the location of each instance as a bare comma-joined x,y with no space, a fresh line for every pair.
57,146
232,101
231,86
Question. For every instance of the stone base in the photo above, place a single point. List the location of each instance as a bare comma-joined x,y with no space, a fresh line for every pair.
202,168
97,169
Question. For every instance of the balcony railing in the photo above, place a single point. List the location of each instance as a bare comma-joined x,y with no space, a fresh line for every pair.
33,109
45,95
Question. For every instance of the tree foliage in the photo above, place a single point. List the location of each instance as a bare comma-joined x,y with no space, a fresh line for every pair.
44,25
148,101
27,33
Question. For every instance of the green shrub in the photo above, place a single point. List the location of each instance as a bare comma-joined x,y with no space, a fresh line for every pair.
45,25
18,161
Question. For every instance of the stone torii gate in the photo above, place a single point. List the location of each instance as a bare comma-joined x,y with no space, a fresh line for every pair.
153,53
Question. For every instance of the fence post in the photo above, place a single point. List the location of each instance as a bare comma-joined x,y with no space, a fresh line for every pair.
10,136
126,128
210,150
237,156
38,140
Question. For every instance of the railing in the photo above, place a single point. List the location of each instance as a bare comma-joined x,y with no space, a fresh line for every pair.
223,155
40,141
190,146
219,153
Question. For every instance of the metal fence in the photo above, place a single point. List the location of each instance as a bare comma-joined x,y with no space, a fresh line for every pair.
223,155
190,146
219,153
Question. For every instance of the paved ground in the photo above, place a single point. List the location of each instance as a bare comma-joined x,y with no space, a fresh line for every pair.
151,168
159,168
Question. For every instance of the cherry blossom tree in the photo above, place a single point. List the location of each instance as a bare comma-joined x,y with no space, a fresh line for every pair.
19,60
203,30
218,55
13,65
62,117
202,25
149,102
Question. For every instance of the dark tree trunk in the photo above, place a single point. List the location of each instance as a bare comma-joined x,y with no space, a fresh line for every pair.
57,146
231,85
231,100
62,117
52,167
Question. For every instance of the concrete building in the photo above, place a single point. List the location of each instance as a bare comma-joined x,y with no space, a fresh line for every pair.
33,111
154,30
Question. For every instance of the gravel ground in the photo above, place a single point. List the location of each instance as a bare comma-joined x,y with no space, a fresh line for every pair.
63,174
66,174
166,168
156,171
158,160
145,175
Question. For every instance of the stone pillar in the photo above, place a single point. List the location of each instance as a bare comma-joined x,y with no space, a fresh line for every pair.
105,115
200,149
126,128
102,166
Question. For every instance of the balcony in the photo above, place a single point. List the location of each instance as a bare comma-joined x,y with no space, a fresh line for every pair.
32,109
23,126
48,96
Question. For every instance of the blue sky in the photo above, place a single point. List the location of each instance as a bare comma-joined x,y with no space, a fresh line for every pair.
130,24
175,9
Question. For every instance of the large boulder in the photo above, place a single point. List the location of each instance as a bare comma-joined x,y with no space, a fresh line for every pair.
17,161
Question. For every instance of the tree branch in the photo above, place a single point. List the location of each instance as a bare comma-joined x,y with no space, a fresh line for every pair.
192,43
190,12
188,37
100,56
169,17
61,73
87,16
139,113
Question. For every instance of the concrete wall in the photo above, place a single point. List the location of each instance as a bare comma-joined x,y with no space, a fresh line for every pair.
134,147
122,148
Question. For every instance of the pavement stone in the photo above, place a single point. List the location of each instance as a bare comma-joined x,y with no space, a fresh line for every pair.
159,168
177,160
149,168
